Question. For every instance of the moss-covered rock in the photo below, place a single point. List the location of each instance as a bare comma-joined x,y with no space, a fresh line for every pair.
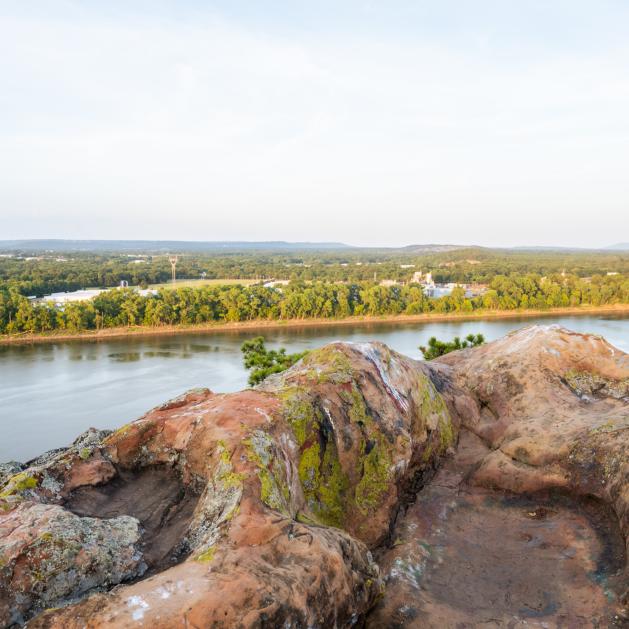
376,475
328,364
324,483
298,410
330,444
207,555
263,451
18,484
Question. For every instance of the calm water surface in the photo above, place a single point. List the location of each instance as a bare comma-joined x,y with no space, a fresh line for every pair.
51,393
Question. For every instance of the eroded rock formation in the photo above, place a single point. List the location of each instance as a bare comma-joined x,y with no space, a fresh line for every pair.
274,506
272,498
527,523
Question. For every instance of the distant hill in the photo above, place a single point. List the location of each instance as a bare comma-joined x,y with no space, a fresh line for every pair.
38,246
162,246
431,248
185,246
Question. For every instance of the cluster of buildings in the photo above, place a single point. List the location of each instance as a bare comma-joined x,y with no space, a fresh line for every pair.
431,289
60,299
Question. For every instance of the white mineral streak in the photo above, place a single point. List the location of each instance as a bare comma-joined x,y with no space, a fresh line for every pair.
329,416
264,414
370,353
514,343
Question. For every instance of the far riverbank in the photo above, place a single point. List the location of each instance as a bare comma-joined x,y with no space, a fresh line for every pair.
262,325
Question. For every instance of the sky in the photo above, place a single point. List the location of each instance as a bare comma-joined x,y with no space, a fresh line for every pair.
490,122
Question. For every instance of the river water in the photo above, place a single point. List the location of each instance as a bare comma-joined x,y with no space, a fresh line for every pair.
49,393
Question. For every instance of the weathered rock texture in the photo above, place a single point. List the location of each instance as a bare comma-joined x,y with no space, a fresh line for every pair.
272,496
554,413
263,508
468,556
527,524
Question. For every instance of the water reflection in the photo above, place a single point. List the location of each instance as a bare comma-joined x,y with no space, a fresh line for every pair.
126,357
50,393
157,354
202,348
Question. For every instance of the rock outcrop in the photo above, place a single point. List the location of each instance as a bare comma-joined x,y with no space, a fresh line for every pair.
554,413
255,508
528,522
275,506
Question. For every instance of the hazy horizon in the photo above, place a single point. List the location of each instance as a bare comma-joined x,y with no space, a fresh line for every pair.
330,244
492,123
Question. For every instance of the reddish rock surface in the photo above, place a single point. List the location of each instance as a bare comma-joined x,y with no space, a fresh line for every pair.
255,508
527,524
554,413
267,507
467,556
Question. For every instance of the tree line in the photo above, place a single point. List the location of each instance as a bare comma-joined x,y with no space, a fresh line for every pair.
52,273
298,300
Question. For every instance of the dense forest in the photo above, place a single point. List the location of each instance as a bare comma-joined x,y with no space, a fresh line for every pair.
47,273
299,300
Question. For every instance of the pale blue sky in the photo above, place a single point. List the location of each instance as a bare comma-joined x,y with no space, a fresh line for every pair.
488,122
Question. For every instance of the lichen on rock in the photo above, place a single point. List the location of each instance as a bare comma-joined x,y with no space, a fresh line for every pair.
587,385
274,490
45,555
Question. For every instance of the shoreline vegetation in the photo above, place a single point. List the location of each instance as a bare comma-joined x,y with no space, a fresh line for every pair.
258,325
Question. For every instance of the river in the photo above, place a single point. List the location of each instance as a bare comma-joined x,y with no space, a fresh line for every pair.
49,393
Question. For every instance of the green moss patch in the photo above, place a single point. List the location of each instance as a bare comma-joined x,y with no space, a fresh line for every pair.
274,490
123,431
207,555
324,483
225,473
17,484
328,364
446,432
298,411
434,412
358,409
376,476
322,478
84,453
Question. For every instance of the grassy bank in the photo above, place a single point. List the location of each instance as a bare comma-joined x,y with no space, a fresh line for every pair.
261,325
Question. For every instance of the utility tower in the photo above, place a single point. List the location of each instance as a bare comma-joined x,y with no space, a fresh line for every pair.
173,264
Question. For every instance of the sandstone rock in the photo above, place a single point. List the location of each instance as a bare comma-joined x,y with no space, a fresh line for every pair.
268,506
543,431
271,497
528,522
50,554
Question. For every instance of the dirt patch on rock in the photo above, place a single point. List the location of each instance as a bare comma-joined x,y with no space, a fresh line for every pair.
468,556
157,498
